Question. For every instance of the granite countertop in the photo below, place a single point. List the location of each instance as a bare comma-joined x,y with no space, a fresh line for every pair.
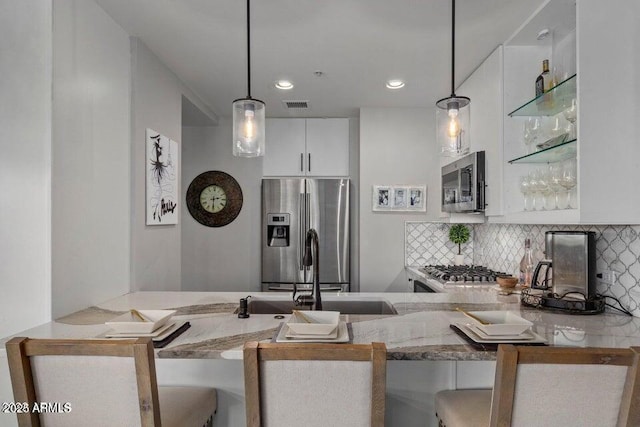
420,330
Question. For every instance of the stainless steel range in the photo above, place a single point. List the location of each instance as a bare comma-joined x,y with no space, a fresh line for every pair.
453,276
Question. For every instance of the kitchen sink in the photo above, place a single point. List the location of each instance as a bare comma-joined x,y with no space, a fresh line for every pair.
344,306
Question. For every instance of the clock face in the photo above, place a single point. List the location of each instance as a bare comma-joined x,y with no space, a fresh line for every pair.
213,199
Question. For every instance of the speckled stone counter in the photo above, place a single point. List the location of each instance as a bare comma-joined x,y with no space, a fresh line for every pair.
420,330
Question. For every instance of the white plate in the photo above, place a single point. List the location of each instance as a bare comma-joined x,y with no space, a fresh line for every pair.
313,322
501,322
162,332
291,334
537,339
526,335
157,332
343,336
128,323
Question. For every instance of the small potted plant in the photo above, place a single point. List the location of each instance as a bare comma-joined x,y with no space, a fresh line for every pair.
459,234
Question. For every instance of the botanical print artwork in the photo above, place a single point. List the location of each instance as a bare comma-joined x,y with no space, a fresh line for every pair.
162,179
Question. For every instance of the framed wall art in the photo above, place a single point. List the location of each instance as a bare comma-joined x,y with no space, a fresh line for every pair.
417,198
162,164
381,197
399,198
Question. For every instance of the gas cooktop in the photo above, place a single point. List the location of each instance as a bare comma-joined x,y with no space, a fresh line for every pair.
462,274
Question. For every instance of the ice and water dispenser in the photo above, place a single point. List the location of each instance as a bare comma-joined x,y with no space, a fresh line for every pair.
278,229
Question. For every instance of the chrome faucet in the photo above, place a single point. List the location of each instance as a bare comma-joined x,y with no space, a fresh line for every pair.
310,258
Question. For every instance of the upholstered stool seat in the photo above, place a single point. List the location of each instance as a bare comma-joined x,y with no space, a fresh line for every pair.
315,384
106,382
187,406
463,408
587,387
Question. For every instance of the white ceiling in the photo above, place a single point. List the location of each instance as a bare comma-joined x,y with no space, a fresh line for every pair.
357,44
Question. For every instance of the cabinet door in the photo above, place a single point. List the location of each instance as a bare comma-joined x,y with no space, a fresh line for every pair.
327,147
284,147
484,87
608,111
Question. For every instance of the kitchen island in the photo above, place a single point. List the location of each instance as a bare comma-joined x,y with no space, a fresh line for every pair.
425,355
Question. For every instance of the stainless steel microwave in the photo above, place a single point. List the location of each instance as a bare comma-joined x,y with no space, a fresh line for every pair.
463,184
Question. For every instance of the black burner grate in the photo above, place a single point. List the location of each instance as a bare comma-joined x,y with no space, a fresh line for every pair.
467,274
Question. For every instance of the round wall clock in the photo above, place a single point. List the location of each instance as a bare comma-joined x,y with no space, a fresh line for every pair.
214,198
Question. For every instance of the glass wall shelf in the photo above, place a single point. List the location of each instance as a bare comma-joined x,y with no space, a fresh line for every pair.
551,102
557,153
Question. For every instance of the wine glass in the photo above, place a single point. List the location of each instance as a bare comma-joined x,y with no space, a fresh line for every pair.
543,188
556,128
527,135
569,179
571,114
555,175
525,189
551,129
534,188
535,127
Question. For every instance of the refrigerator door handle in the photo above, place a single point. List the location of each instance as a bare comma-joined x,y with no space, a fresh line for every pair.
301,162
301,229
307,209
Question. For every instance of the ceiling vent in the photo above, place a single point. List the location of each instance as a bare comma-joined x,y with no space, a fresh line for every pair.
297,105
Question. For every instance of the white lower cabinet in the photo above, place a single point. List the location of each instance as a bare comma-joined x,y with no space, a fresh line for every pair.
307,147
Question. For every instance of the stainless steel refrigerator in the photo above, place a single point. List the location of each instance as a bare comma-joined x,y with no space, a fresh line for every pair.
290,207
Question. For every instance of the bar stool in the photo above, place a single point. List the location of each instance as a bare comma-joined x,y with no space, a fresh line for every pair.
315,385
542,386
100,382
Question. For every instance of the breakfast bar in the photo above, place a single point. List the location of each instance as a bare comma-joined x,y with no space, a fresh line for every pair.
425,354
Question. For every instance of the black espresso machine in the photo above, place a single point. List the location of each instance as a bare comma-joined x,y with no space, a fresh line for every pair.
566,278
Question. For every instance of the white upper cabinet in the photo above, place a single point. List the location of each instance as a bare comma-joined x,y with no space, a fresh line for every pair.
284,148
484,88
328,147
596,42
608,111
307,147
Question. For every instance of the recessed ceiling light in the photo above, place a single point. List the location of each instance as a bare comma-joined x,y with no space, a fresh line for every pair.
395,84
284,84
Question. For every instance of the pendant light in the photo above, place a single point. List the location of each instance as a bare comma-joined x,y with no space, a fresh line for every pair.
453,112
248,114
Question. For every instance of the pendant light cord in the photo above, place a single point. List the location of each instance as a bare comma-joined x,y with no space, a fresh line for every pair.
453,45
249,48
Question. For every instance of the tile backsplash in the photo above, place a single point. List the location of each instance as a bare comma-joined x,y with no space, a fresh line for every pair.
501,246
428,243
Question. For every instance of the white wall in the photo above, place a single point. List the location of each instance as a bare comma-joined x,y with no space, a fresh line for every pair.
221,258
91,157
354,203
397,146
156,104
25,164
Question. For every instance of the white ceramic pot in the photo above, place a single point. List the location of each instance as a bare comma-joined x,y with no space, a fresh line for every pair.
458,260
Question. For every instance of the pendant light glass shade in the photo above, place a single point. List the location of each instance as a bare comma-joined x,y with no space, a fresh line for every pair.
248,113
453,118
453,115
248,127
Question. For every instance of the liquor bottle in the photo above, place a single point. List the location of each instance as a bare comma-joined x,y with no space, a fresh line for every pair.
543,82
526,265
